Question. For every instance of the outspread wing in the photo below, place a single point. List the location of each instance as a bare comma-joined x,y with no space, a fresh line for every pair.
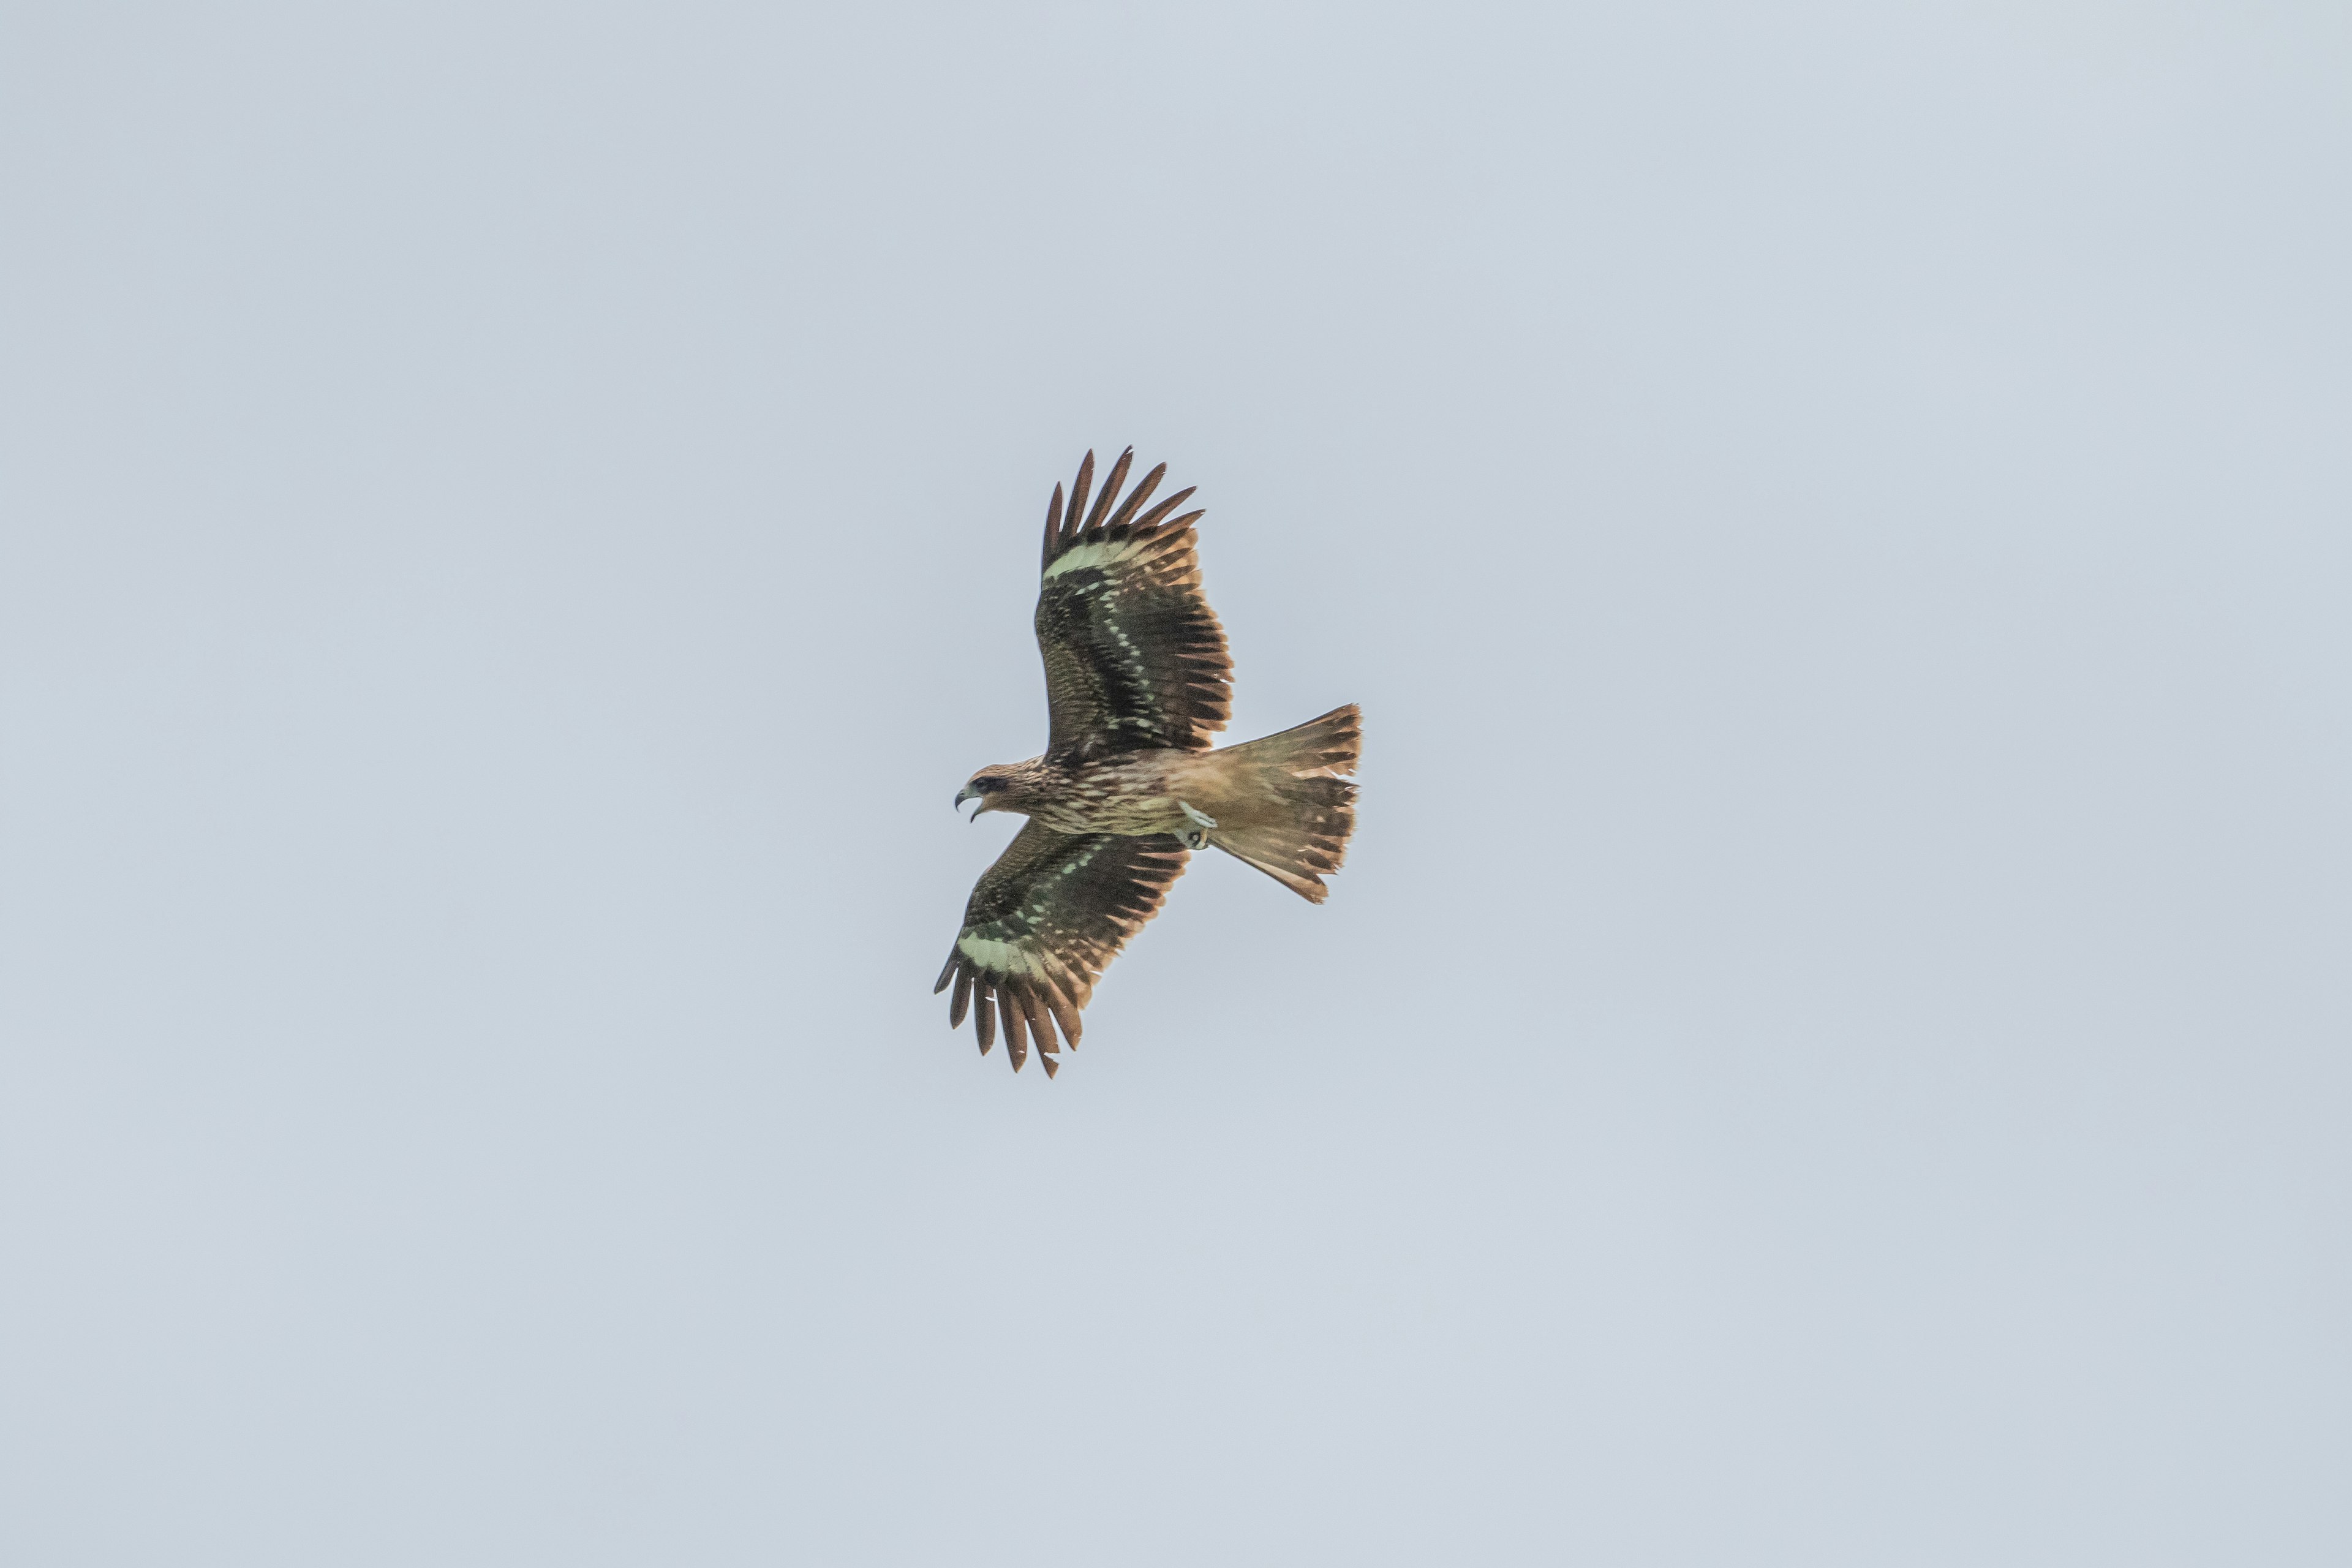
1043,922
1134,658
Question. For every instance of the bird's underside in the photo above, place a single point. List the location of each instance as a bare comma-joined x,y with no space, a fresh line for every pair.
1137,680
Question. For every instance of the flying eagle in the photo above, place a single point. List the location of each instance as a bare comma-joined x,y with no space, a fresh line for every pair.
1137,680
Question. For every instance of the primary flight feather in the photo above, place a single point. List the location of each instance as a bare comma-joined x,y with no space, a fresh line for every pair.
1137,680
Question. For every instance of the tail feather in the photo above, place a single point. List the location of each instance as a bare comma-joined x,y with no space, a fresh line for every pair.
1296,809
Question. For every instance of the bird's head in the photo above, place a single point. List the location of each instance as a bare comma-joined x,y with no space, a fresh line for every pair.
989,787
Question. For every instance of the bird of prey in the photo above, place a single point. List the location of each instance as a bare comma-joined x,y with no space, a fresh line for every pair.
1137,680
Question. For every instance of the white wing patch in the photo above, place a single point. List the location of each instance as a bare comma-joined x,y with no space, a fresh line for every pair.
999,955
1103,552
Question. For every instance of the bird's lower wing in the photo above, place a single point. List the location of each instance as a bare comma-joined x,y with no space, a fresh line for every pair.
1041,925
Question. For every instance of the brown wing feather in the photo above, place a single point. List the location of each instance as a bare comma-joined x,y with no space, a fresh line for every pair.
1044,922
1134,658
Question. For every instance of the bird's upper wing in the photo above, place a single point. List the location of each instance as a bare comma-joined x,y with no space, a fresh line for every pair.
1043,923
1134,657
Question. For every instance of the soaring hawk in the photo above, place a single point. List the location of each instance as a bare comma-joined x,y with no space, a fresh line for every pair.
1137,680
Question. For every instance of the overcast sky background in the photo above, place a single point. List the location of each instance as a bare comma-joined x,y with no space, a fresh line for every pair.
1829,1049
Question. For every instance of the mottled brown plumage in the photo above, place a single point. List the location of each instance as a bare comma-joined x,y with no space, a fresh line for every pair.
1137,680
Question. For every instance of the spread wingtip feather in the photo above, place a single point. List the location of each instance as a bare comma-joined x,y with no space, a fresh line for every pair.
1052,527
1138,495
1116,477
1151,519
1078,492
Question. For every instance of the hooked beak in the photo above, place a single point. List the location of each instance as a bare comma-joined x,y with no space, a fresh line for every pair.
965,793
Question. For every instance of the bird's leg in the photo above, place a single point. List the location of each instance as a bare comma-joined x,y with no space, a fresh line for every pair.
1196,837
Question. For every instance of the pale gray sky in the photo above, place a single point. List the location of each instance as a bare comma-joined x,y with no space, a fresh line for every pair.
1830,1046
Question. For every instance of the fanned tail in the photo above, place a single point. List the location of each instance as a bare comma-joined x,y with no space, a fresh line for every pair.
1299,807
